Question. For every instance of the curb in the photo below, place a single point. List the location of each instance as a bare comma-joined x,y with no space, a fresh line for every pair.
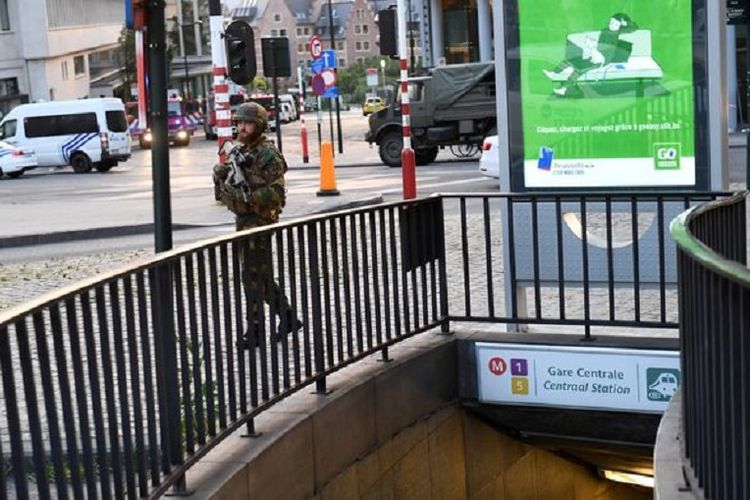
138,229
311,165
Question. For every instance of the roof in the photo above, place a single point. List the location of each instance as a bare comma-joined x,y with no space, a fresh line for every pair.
341,12
301,10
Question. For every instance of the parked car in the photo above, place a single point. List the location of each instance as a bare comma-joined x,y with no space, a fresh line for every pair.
15,161
84,133
286,114
489,163
372,104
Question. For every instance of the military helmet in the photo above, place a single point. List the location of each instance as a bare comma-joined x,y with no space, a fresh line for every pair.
252,112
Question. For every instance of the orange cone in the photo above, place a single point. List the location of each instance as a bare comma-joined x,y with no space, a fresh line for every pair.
327,172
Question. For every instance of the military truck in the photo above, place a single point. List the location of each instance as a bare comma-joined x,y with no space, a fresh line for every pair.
453,106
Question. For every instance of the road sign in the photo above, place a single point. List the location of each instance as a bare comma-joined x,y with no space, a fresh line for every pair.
317,66
318,84
329,59
331,92
316,46
329,77
372,77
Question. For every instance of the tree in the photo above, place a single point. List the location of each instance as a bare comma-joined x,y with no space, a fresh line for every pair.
353,80
259,83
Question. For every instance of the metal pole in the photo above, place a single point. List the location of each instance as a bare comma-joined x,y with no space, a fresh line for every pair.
160,142
411,37
303,132
278,109
408,168
319,115
335,70
747,103
162,289
221,89
184,57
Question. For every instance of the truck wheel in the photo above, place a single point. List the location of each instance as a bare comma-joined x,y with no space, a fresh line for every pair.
425,156
81,163
390,149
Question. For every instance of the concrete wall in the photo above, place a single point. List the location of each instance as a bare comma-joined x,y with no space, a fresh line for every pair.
390,430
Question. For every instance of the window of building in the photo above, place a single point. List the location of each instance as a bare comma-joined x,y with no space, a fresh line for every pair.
299,31
277,18
366,45
358,45
282,32
307,31
300,48
357,29
64,70
79,66
8,86
4,16
360,60
340,45
342,63
274,32
365,29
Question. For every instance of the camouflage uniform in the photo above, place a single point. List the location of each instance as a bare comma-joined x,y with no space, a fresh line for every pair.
263,167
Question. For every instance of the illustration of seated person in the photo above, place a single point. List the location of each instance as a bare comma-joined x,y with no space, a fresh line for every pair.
619,51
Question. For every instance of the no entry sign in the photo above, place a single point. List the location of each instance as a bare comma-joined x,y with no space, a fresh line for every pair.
316,46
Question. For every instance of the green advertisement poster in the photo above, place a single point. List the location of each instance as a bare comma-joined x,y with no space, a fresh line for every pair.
607,94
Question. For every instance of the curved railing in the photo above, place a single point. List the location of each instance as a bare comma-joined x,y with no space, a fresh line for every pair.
115,386
714,299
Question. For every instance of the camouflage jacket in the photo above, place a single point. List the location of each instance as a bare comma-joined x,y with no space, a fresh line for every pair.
263,168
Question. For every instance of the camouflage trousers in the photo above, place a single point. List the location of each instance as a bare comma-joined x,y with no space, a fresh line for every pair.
259,283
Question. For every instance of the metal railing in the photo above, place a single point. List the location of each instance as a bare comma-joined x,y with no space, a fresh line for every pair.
714,320
116,386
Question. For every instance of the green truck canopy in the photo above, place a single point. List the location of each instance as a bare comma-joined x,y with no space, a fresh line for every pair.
450,83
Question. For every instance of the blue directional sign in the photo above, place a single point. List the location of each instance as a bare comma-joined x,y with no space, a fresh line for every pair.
317,66
331,92
329,59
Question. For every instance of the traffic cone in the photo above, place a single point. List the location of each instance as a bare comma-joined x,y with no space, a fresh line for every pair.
327,172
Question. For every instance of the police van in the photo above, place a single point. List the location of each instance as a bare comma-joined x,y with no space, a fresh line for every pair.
85,134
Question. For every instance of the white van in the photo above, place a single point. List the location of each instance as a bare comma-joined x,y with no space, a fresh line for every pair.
290,100
83,134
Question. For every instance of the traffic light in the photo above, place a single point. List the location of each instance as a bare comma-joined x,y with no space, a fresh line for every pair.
388,33
240,49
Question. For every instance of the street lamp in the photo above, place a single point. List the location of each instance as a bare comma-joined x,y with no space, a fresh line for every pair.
184,52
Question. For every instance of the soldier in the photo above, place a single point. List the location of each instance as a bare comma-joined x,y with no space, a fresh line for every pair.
254,191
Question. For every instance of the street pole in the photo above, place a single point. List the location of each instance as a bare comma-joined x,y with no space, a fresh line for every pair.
221,89
278,109
160,143
160,280
747,103
140,69
408,168
335,70
411,38
319,115
303,132
184,57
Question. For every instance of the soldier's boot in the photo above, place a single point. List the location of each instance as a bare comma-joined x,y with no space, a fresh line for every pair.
250,339
288,325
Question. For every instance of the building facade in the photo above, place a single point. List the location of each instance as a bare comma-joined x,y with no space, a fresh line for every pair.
52,49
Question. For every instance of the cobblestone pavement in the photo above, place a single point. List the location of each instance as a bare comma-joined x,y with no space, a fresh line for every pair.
22,282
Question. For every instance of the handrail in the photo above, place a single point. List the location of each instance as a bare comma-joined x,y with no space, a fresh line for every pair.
101,359
680,231
714,289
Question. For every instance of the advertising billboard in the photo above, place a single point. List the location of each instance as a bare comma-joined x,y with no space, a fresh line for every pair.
604,95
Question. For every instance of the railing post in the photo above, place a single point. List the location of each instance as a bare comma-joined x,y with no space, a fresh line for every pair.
440,253
317,321
167,378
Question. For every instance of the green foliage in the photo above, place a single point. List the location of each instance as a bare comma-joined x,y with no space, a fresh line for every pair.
353,80
259,83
